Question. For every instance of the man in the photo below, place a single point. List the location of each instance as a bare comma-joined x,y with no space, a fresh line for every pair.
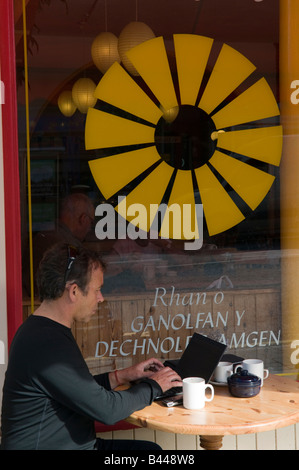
50,399
76,216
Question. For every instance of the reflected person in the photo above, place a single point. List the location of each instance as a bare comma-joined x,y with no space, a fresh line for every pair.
76,216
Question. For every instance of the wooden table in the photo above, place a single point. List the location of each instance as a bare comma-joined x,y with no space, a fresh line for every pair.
277,405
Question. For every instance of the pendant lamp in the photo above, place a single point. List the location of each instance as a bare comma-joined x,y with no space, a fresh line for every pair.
83,94
66,104
104,51
133,34
170,114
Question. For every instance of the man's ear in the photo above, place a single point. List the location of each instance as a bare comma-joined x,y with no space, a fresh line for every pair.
73,291
81,218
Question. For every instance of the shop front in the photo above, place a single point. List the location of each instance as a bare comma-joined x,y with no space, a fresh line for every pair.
169,131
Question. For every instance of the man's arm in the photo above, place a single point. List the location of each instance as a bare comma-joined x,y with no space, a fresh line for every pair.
150,368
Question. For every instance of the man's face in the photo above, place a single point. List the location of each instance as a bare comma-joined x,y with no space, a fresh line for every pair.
88,303
83,225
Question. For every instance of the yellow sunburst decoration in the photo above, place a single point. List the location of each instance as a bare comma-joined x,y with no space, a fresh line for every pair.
230,135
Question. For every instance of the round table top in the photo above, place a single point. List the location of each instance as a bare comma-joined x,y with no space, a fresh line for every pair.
277,405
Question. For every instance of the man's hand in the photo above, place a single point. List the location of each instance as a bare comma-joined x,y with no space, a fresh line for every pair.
152,368
167,378
138,371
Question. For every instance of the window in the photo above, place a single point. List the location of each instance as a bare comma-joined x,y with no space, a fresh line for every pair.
157,292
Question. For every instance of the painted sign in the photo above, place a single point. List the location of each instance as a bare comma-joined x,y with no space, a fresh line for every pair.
236,116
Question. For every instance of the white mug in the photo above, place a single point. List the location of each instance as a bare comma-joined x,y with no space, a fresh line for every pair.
194,393
255,367
222,371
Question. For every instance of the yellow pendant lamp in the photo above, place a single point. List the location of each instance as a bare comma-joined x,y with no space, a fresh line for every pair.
104,51
170,114
132,35
66,104
83,94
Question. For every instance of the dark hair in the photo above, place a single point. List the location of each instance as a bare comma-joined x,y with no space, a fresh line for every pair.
51,275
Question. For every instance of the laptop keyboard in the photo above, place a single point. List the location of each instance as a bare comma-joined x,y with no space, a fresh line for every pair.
169,393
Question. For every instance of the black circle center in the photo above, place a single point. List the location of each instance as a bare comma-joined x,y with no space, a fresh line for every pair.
186,142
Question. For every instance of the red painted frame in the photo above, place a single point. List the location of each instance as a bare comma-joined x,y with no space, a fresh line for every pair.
11,170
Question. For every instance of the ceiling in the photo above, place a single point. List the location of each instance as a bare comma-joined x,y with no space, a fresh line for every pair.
229,20
60,32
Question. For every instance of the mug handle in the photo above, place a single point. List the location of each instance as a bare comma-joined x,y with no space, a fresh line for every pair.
212,392
266,373
237,367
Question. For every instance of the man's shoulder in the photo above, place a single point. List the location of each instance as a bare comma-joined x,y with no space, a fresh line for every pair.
41,336
40,327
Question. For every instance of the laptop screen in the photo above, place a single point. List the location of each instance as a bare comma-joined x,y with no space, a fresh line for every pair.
201,357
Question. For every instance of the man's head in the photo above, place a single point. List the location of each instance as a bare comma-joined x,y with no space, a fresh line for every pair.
64,265
77,213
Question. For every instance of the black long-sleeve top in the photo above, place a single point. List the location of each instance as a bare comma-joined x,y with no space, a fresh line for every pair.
50,399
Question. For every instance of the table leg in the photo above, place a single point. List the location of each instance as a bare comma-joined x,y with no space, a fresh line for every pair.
211,442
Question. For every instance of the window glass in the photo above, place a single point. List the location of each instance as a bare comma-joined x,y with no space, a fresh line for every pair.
197,122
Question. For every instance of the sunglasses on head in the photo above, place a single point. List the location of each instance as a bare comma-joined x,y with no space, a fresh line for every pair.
72,255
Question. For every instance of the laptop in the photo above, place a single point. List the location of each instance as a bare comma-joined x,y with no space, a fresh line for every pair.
199,359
